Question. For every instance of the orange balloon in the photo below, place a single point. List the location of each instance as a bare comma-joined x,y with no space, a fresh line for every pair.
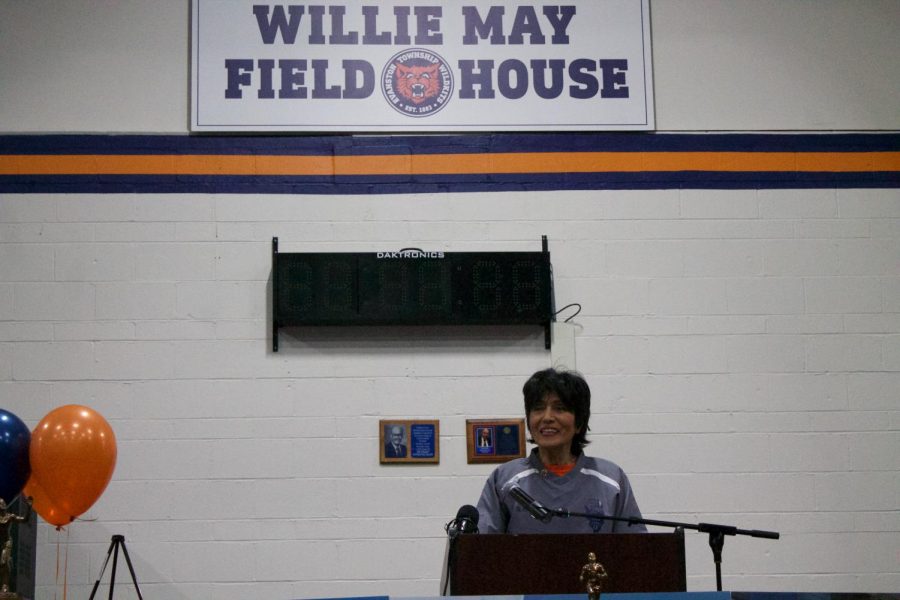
73,455
44,505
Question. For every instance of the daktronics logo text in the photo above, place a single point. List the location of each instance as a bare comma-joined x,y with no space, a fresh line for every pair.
410,254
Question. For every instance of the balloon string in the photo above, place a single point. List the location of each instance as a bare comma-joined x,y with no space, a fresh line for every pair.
66,569
65,575
56,587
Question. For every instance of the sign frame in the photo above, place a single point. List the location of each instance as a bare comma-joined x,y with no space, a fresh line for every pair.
494,65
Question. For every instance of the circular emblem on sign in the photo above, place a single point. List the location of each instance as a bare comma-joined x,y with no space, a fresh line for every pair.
417,82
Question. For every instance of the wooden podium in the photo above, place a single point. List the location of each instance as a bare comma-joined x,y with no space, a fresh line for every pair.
503,564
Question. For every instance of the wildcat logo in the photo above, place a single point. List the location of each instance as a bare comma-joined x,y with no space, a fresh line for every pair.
417,82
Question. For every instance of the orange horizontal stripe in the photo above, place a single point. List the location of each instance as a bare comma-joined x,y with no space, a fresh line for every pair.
439,164
161,164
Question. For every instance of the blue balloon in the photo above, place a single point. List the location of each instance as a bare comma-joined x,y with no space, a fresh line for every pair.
15,467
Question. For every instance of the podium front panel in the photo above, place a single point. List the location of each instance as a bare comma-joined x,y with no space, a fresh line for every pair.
505,564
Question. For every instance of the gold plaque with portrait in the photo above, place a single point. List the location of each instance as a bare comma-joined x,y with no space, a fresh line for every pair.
495,441
409,441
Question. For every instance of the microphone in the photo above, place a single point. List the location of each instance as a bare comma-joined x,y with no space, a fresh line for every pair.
466,521
534,508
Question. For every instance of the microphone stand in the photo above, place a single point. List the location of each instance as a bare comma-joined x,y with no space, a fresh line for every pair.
454,529
716,533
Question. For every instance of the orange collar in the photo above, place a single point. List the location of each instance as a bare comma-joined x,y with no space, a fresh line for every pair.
560,470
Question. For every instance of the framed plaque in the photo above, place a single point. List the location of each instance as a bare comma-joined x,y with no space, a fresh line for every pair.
495,441
409,441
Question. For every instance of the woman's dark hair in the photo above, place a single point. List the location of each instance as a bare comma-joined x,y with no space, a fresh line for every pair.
574,393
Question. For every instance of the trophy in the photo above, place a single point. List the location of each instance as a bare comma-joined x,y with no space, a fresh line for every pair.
593,574
7,520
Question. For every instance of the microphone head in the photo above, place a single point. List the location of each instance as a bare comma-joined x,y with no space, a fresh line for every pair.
534,508
466,521
467,511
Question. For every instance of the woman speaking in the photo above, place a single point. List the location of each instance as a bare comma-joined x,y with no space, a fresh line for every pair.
557,473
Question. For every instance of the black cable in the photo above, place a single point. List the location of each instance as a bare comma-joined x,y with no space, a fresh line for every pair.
569,306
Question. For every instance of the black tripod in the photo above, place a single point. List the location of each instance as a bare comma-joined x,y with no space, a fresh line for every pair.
117,540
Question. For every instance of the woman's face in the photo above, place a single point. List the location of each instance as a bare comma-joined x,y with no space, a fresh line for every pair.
551,424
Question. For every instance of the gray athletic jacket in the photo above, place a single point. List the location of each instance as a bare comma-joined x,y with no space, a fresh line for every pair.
594,486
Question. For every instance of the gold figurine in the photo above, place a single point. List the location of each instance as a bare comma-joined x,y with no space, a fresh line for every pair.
7,519
593,575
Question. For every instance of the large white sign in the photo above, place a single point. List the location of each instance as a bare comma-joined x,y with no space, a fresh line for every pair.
395,66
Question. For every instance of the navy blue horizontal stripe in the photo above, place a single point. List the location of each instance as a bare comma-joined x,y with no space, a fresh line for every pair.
314,145
226,184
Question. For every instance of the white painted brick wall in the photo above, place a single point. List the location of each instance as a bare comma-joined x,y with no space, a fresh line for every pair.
6,304
743,349
19,262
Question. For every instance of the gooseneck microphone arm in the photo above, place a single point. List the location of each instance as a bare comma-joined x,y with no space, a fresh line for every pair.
534,508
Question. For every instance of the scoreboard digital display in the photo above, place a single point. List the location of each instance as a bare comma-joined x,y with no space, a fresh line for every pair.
411,287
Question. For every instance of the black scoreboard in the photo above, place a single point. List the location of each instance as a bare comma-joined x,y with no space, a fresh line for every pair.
411,287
